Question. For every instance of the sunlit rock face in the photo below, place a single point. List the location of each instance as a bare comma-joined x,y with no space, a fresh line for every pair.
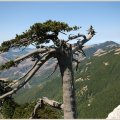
115,114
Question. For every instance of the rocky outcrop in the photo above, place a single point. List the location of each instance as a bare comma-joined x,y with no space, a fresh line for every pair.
115,114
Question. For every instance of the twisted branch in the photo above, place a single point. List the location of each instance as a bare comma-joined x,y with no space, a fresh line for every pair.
47,101
11,63
30,54
82,42
31,73
18,80
12,85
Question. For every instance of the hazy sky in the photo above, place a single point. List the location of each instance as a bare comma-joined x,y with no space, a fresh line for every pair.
16,17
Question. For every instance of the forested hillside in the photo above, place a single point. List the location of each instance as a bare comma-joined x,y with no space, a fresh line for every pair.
97,82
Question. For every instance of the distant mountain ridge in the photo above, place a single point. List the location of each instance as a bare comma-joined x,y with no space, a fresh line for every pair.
103,46
15,72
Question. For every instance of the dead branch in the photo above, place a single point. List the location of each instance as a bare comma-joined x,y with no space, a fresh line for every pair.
52,103
18,80
37,106
31,73
30,54
11,63
22,84
82,42
76,62
75,37
46,101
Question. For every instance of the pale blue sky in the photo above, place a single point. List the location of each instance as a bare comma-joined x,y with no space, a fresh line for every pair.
16,17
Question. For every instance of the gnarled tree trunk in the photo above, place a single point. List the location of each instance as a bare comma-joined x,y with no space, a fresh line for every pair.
65,64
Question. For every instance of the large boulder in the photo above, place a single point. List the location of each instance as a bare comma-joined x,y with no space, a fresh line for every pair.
115,114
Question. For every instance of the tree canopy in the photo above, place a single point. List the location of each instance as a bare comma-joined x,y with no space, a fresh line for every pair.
37,34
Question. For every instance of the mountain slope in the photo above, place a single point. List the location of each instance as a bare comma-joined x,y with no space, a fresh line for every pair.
97,86
102,88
